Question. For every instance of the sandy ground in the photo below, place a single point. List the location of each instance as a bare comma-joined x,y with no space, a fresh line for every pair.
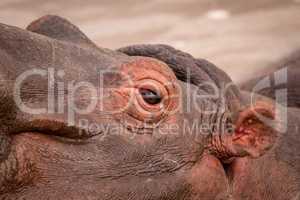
242,37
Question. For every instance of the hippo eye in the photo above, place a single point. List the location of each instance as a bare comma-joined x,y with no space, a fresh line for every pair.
151,97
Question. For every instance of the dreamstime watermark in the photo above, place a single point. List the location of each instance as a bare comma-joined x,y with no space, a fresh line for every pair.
65,97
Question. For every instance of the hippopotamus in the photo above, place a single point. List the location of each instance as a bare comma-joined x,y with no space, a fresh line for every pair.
149,122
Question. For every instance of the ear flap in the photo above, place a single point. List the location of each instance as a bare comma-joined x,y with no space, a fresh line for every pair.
187,68
255,131
60,29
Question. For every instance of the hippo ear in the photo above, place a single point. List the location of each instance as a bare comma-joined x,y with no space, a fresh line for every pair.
255,131
60,29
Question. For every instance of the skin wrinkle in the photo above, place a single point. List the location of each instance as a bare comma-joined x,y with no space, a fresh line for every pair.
143,164
216,145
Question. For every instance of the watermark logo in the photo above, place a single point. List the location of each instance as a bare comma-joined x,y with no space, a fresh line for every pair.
63,98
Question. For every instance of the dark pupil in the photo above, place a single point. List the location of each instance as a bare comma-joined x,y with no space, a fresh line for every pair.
150,96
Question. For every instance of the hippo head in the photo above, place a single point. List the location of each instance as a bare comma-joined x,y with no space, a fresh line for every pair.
143,122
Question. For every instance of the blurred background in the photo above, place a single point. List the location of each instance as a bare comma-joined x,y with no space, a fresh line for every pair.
241,37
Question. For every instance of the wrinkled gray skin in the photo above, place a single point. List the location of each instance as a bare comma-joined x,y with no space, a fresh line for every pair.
43,158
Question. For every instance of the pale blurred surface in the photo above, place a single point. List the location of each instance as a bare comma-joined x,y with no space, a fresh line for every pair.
241,37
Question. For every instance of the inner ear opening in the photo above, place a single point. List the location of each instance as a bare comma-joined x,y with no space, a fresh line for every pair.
252,137
255,132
